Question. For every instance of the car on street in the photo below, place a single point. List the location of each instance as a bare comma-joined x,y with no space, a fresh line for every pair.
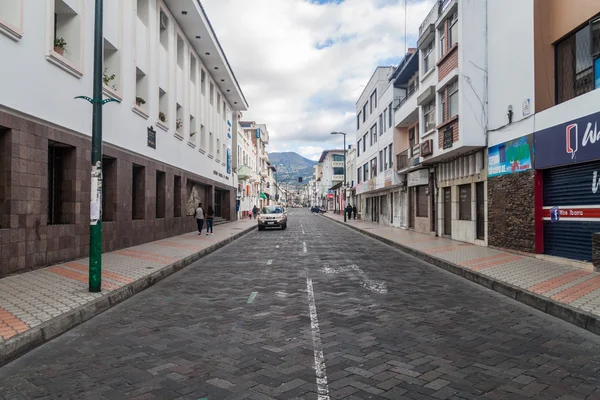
272,217
318,210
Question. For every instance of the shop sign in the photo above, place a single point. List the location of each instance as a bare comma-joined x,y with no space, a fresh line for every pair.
510,157
427,148
597,73
388,178
418,178
258,132
575,213
151,137
569,143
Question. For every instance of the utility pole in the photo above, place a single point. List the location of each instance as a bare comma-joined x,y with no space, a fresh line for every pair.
95,267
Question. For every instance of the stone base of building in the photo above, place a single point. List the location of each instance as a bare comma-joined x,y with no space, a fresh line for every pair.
45,185
511,216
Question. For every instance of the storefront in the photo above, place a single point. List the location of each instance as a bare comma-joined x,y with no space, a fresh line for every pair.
569,155
419,195
377,197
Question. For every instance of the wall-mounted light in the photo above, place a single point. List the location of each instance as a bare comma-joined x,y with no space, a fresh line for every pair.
207,53
216,67
510,114
198,37
184,12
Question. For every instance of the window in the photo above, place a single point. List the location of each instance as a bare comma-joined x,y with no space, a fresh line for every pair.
10,18
385,118
381,128
202,138
109,188
338,157
365,142
464,202
412,137
390,149
429,116
428,61
453,30
358,121
374,167
385,158
212,93
422,203
380,160
218,103
141,90
374,100
5,177
61,174
364,112
143,11
373,134
390,115
180,51
138,192
163,106
203,82
358,175
161,191
453,100
211,145
575,64
177,196
366,172
112,67
68,36
442,43
338,170
358,148
164,31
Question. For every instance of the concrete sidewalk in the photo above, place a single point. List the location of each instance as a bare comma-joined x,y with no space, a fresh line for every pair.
39,305
563,291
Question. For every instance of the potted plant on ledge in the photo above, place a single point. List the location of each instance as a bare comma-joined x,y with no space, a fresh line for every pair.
192,134
162,117
139,101
107,79
60,45
179,124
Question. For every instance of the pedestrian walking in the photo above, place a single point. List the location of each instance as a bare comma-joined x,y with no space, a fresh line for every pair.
200,218
349,211
210,217
354,211
255,211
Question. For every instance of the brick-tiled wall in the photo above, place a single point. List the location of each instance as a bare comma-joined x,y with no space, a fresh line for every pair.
442,129
449,61
27,241
596,250
511,218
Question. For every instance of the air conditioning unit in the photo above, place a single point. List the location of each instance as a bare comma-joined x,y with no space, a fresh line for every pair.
164,21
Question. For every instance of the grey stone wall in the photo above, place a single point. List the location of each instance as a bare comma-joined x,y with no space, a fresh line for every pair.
596,250
511,215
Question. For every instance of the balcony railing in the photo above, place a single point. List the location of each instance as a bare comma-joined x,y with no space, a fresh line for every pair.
409,92
402,161
444,4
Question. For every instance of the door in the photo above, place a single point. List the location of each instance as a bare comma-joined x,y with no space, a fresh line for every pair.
448,211
411,207
218,202
480,210
392,208
571,210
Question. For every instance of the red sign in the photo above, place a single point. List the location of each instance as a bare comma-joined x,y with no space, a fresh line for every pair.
589,213
330,196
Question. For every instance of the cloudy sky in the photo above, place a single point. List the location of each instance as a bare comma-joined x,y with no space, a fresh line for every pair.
302,64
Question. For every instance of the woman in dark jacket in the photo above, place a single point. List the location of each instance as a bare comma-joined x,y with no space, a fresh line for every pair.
210,217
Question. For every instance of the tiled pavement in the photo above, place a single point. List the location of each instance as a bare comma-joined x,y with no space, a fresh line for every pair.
30,299
558,282
374,323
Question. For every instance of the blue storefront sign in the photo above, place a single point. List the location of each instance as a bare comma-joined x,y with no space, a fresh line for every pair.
573,142
258,132
510,157
228,161
597,72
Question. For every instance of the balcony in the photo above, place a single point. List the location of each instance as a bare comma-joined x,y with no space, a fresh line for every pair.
407,112
427,28
402,161
244,172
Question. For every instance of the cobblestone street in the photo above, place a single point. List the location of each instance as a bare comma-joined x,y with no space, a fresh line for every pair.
315,311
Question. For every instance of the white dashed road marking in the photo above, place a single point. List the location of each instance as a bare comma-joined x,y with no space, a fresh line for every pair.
269,262
320,368
369,284
304,247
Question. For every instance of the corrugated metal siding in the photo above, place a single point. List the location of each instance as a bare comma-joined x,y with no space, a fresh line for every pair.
570,186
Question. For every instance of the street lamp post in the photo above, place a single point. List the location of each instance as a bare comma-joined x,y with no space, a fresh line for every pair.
95,264
342,133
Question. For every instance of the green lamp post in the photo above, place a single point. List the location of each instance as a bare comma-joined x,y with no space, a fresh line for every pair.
95,267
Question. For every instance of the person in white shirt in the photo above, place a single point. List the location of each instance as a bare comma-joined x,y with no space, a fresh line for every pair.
200,218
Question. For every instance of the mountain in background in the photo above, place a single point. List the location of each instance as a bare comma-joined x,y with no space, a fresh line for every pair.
290,166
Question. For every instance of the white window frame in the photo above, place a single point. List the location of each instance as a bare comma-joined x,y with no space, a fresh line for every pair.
452,20
11,29
452,91
427,63
427,110
75,69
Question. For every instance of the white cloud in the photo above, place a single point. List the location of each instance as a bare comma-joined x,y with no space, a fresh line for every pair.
300,92
310,152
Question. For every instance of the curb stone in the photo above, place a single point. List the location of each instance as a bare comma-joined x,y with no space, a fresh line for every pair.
24,342
580,318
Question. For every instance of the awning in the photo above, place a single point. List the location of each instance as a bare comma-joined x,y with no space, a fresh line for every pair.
262,195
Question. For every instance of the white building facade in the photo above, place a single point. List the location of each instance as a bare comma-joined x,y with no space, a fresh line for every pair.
376,177
167,144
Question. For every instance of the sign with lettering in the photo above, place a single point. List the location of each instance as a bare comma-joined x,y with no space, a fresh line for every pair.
427,148
151,137
572,142
418,178
510,157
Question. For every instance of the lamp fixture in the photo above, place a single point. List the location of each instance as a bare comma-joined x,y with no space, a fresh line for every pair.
198,37
207,53
216,67
184,12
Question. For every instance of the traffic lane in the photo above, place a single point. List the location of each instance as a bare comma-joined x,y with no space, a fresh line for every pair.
434,334
198,333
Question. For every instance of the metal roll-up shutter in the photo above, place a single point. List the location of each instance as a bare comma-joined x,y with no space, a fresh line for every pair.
571,210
